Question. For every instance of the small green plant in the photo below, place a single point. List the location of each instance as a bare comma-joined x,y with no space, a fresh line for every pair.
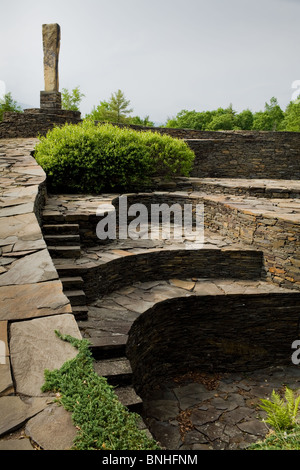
282,417
281,414
71,100
8,104
103,423
89,158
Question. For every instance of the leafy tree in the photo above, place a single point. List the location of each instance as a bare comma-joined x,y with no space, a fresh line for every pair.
244,120
100,113
190,120
71,100
119,106
142,122
223,122
8,104
223,119
291,120
262,121
270,119
114,110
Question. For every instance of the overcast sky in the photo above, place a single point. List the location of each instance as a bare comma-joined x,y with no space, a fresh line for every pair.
165,55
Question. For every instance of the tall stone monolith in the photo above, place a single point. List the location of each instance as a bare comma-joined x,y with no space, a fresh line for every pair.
51,97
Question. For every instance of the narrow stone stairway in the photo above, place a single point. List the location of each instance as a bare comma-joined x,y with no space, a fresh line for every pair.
63,241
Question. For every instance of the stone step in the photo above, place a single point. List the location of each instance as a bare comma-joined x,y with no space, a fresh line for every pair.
72,282
65,251
109,346
50,217
117,371
76,297
80,312
61,229
62,240
66,269
129,398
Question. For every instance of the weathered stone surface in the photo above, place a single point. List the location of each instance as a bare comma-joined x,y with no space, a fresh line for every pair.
16,444
188,285
253,427
33,300
163,410
35,347
4,351
31,269
23,230
6,383
52,429
167,434
14,412
201,417
17,210
191,394
51,46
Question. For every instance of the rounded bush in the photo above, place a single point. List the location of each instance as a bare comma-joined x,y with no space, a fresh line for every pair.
95,158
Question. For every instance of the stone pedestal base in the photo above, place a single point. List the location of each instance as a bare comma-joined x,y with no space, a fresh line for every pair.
50,100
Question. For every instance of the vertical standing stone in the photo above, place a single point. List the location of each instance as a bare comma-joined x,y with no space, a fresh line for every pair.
51,46
51,97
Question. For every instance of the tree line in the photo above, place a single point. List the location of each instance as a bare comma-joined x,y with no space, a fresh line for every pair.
117,109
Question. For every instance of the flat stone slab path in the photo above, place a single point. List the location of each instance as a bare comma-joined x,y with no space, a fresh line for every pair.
203,411
32,305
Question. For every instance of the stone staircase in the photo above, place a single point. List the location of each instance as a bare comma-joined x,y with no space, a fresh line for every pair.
63,241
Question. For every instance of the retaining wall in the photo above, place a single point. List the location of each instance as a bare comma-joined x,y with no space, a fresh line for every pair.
34,122
213,334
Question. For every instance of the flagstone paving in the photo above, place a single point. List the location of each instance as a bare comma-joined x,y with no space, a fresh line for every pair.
32,302
222,411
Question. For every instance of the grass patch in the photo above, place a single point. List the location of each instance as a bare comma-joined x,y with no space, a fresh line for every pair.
103,423
279,440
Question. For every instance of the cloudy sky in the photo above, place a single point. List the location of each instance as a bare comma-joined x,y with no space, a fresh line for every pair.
165,55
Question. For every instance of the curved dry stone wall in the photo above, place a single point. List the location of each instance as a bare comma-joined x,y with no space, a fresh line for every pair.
212,333
32,307
165,264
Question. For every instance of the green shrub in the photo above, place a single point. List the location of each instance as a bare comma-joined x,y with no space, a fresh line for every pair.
102,421
96,158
